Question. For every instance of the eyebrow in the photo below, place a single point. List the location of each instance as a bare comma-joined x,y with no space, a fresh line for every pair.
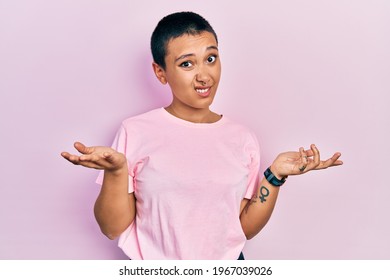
192,54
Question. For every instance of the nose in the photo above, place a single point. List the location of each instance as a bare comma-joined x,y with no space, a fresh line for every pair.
202,76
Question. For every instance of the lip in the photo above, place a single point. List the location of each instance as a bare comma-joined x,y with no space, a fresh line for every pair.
205,93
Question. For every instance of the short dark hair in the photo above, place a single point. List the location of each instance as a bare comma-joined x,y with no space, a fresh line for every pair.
173,26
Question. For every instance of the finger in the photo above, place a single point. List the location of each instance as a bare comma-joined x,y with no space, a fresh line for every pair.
309,153
91,157
71,158
303,159
98,161
108,156
65,155
82,148
316,157
333,161
84,160
90,161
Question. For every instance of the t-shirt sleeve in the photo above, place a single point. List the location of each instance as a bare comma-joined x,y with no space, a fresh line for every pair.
253,149
120,145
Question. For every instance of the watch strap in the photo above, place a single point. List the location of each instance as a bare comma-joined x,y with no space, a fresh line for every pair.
271,178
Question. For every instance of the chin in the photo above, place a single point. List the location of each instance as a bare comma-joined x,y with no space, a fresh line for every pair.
205,105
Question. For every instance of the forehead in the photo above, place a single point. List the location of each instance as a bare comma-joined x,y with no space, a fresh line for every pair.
191,43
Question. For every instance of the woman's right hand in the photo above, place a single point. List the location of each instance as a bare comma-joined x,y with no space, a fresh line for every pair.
98,157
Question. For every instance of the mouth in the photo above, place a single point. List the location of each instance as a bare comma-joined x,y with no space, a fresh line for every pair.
203,91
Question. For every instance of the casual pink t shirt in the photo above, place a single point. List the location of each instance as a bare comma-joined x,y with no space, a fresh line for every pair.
189,180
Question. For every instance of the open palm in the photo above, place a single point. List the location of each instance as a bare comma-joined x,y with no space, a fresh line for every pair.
98,157
295,163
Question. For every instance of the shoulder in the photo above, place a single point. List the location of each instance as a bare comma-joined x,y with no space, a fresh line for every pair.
142,121
137,128
240,129
240,137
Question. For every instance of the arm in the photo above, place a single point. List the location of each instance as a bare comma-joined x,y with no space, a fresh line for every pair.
257,211
114,207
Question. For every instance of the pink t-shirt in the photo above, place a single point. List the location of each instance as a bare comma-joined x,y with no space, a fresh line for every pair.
189,180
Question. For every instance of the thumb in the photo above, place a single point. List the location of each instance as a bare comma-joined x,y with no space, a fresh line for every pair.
82,148
112,158
109,157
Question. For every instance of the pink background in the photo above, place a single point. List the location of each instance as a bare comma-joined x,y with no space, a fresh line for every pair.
296,72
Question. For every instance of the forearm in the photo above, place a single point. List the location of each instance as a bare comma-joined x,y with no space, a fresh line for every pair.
258,210
115,207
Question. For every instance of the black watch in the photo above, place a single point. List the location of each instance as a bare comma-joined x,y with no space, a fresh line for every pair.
270,177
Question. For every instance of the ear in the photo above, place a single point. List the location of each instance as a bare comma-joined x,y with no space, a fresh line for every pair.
160,73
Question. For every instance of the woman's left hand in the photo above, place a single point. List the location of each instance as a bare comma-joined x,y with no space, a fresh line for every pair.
296,163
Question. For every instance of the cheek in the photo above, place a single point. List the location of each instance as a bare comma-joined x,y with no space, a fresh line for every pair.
217,68
186,80
216,73
182,78
181,83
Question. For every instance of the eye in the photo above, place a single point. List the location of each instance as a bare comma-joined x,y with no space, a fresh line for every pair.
211,58
186,64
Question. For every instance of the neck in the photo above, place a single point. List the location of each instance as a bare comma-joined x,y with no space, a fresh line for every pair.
193,114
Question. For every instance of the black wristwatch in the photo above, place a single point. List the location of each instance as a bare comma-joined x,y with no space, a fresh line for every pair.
270,177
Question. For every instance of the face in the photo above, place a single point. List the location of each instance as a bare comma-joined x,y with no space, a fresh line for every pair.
193,70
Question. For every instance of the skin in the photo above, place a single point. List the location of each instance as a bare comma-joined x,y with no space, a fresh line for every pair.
115,207
192,63
256,212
